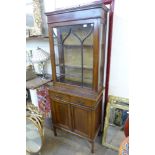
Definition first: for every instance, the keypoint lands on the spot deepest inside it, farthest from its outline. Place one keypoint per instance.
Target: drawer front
(71, 99)
(59, 97)
(81, 101)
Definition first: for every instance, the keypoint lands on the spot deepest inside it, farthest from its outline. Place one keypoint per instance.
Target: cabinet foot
(92, 146)
(55, 132)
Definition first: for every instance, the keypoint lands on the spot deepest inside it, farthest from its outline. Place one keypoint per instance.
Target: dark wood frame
(70, 103)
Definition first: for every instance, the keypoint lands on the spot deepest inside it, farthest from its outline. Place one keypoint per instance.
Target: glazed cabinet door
(73, 50)
(61, 114)
(81, 119)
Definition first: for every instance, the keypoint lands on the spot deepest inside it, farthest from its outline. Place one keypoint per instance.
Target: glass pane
(83, 32)
(73, 75)
(72, 41)
(88, 56)
(56, 50)
(87, 81)
(73, 47)
(72, 57)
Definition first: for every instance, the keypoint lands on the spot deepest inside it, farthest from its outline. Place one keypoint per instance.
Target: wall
(119, 78)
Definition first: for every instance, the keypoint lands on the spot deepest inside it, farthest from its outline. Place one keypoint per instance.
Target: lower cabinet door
(81, 120)
(62, 114)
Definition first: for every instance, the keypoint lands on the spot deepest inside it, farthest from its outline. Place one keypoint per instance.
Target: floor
(68, 144)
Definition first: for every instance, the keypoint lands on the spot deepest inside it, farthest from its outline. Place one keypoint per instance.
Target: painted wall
(119, 73)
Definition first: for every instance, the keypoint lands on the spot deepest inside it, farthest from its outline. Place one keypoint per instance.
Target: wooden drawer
(81, 101)
(59, 97)
(71, 99)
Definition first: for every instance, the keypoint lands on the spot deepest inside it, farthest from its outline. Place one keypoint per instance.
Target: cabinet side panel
(96, 119)
(98, 116)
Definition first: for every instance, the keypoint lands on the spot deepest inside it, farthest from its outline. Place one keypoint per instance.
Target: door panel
(81, 121)
(62, 114)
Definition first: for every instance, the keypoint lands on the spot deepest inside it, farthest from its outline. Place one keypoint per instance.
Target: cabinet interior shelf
(75, 67)
(71, 75)
(74, 46)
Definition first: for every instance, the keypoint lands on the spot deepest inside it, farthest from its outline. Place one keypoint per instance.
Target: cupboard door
(81, 119)
(62, 114)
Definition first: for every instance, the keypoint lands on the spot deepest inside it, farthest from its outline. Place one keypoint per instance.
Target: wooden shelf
(37, 82)
(78, 46)
(37, 37)
(74, 46)
(75, 67)
(72, 75)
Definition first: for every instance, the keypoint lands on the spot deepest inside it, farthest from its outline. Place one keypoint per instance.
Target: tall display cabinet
(77, 45)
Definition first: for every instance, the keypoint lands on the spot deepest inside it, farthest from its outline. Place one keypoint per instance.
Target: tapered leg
(55, 132)
(92, 148)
